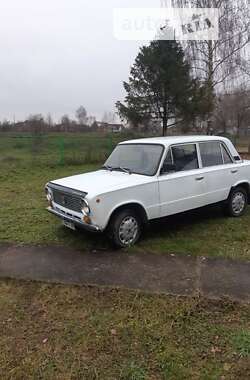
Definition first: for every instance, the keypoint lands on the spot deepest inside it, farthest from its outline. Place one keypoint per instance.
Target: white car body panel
(159, 195)
(102, 181)
(181, 192)
(114, 189)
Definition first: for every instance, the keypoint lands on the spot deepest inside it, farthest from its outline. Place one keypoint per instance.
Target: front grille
(69, 201)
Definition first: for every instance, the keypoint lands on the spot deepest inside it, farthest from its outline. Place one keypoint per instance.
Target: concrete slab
(153, 273)
(169, 274)
(225, 278)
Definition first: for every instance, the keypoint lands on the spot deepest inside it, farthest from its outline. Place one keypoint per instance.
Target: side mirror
(168, 168)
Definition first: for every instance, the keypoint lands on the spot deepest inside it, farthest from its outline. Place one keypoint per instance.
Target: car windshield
(135, 158)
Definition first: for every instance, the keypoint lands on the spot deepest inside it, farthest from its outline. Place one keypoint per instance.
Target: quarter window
(226, 158)
(168, 159)
(211, 154)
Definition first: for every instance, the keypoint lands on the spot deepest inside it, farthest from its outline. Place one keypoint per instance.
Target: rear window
(211, 154)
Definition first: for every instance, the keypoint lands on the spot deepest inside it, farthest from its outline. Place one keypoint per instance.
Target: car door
(181, 181)
(220, 170)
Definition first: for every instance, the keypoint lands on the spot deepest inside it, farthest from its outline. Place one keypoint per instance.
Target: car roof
(171, 140)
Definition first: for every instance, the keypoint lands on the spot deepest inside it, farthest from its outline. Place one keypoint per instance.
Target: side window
(168, 160)
(211, 154)
(185, 157)
(226, 158)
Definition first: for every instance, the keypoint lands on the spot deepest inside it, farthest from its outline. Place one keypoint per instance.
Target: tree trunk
(225, 129)
(165, 123)
(210, 85)
(238, 126)
(165, 128)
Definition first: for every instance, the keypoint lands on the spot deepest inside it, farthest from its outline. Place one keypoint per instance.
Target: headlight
(49, 195)
(85, 207)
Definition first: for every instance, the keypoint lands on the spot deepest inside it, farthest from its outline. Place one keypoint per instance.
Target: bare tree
(81, 115)
(109, 117)
(5, 126)
(223, 114)
(232, 113)
(217, 63)
(49, 121)
(66, 122)
(36, 124)
(241, 110)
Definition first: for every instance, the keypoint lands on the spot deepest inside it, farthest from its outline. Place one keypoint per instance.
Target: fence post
(62, 151)
(111, 143)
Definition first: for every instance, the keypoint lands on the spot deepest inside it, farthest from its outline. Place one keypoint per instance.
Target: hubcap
(238, 203)
(128, 230)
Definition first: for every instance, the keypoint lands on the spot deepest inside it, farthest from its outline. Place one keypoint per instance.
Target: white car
(152, 178)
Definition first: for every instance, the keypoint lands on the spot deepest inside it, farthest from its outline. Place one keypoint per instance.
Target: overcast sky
(59, 54)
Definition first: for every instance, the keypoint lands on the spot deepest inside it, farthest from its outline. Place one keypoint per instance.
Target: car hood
(101, 181)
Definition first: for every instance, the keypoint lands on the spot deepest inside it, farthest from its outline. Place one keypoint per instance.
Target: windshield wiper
(106, 167)
(111, 168)
(125, 170)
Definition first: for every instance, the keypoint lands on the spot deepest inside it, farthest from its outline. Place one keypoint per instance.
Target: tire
(237, 202)
(125, 228)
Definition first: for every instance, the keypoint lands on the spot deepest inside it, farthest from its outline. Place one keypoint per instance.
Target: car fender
(131, 202)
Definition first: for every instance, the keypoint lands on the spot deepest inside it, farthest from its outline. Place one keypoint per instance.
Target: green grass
(25, 168)
(205, 232)
(63, 332)
(241, 342)
(77, 149)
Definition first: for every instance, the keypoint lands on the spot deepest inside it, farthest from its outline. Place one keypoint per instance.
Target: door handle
(234, 171)
(199, 178)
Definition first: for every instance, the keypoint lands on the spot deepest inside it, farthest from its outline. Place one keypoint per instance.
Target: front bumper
(77, 222)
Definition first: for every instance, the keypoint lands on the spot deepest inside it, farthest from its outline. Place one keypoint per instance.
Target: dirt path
(170, 274)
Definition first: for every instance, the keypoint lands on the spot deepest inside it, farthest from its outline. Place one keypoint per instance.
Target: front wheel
(125, 228)
(237, 202)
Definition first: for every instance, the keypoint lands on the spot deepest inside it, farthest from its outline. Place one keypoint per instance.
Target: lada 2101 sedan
(152, 178)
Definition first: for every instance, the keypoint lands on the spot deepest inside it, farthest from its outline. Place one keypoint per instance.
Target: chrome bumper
(77, 222)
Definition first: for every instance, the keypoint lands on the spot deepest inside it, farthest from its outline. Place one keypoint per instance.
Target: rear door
(220, 170)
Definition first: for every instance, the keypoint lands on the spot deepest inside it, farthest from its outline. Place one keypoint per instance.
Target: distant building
(110, 127)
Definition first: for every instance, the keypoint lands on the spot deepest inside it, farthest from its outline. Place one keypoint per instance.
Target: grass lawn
(26, 164)
(58, 332)
(66, 332)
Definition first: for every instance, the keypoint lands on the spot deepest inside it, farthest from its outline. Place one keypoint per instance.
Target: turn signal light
(87, 219)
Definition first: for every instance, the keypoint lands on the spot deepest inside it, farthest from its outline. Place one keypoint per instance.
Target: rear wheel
(237, 202)
(125, 228)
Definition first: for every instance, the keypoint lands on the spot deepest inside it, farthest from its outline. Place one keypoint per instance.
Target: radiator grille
(69, 201)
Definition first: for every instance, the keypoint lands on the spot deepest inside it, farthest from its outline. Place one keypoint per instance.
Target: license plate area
(69, 225)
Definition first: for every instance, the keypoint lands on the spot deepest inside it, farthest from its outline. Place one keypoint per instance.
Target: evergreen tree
(160, 86)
